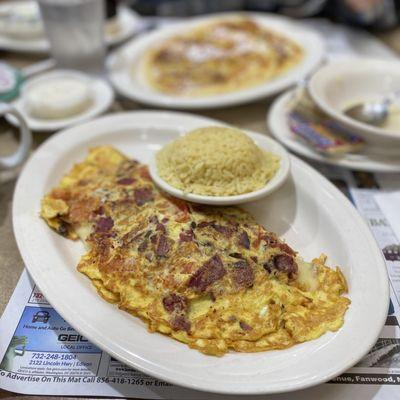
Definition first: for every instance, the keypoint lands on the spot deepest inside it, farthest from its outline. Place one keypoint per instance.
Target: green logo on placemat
(10, 82)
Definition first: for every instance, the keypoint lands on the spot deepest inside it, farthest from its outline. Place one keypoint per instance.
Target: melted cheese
(307, 275)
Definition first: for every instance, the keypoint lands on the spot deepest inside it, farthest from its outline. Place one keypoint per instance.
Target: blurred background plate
(365, 160)
(131, 83)
(128, 20)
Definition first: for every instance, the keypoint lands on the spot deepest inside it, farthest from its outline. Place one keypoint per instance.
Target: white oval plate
(365, 160)
(102, 94)
(124, 65)
(275, 183)
(308, 211)
(129, 22)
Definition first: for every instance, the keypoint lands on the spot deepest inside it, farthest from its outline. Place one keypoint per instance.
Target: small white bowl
(340, 85)
(101, 92)
(277, 180)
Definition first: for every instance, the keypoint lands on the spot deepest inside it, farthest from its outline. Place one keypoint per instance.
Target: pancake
(221, 56)
(210, 277)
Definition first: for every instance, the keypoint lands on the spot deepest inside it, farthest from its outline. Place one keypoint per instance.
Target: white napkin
(389, 203)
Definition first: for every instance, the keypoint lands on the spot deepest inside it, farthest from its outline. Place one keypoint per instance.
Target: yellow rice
(216, 161)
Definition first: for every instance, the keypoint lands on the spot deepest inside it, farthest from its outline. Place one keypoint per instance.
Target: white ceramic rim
(334, 70)
(277, 125)
(275, 183)
(119, 64)
(130, 23)
(37, 261)
(102, 96)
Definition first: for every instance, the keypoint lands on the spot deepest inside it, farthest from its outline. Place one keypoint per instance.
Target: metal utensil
(373, 112)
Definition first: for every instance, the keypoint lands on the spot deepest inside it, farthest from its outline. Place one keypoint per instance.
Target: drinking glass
(75, 30)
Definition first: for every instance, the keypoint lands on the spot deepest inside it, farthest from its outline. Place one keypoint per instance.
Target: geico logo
(71, 338)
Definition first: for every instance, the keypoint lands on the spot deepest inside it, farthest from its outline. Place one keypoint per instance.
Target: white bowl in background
(102, 96)
(339, 85)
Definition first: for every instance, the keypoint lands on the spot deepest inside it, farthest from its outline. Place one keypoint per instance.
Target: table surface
(251, 117)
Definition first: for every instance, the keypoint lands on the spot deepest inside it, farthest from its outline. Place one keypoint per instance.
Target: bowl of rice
(220, 165)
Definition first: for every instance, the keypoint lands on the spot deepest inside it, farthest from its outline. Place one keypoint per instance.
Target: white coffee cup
(25, 140)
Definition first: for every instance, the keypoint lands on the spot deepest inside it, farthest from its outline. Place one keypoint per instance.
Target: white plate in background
(128, 19)
(125, 75)
(342, 84)
(365, 160)
(308, 212)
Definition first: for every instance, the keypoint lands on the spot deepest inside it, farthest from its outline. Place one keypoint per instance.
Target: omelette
(225, 55)
(210, 277)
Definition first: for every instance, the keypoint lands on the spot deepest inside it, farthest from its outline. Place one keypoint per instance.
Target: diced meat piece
(181, 205)
(224, 230)
(203, 224)
(186, 236)
(245, 326)
(162, 246)
(268, 266)
(180, 323)
(207, 274)
(104, 224)
(99, 211)
(144, 172)
(153, 239)
(283, 263)
(160, 228)
(181, 210)
(234, 225)
(174, 303)
(143, 195)
(244, 240)
(286, 248)
(243, 274)
(199, 207)
(125, 181)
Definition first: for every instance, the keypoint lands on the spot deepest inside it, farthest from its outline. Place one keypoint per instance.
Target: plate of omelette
(262, 298)
(215, 61)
